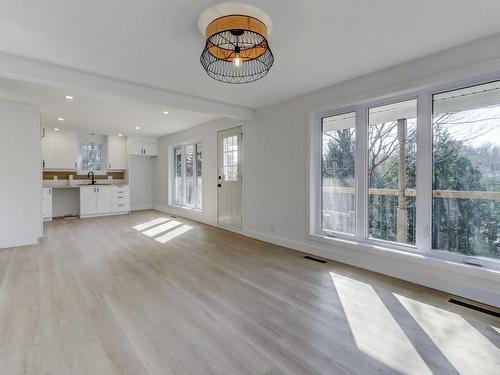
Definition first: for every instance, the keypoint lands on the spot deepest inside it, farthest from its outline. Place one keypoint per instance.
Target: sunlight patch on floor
(174, 233)
(151, 223)
(455, 337)
(496, 329)
(373, 327)
(152, 232)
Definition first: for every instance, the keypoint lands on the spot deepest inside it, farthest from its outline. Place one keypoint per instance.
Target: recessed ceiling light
(165, 112)
(69, 97)
(60, 119)
(137, 128)
(120, 135)
(56, 129)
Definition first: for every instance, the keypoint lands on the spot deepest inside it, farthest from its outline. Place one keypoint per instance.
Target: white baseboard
(446, 276)
(141, 207)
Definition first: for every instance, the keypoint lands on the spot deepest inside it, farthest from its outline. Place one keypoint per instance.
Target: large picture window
(187, 187)
(392, 131)
(466, 171)
(377, 169)
(338, 213)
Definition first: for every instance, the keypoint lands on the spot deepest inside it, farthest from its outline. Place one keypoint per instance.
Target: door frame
(242, 172)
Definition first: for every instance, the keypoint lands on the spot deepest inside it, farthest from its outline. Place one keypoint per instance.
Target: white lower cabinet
(120, 200)
(102, 200)
(47, 204)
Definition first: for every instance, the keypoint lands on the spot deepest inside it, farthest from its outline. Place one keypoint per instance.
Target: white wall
(275, 173)
(20, 168)
(207, 135)
(141, 178)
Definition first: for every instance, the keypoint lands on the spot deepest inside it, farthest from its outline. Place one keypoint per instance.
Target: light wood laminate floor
(149, 294)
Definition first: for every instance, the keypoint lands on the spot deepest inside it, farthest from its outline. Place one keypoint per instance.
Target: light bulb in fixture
(60, 119)
(165, 112)
(69, 97)
(120, 135)
(237, 58)
(137, 128)
(56, 129)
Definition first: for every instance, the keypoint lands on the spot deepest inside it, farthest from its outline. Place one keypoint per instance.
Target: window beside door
(188, 176)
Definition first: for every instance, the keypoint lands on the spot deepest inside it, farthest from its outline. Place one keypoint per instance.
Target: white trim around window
(424, 172)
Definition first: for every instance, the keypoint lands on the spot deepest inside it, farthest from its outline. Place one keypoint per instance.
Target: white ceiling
(99, 114)
(316, 43)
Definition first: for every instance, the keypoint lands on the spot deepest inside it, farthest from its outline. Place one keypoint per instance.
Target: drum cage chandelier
(236, 49)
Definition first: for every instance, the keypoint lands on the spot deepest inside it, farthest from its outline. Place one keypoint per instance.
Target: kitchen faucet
(93, 177)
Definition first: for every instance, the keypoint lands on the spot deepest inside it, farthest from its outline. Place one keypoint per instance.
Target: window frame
(423, 238)
(173, 201)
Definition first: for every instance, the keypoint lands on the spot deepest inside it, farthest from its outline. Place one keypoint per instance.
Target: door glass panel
(466, 171)
(392, 150)
(338, 195)
(230, 158)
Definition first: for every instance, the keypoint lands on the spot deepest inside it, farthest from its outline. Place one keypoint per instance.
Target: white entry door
(229, 177)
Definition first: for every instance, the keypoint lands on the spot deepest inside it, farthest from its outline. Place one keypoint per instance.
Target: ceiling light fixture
(236, 48)
(165, 112)
(137, 128)
(69, 97)
(120, 135)
(60, 119)
(56, 129)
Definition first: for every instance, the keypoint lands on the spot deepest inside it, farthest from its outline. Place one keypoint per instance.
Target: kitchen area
(88, 175)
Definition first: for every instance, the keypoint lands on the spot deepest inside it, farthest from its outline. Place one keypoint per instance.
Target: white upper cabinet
(60, 151)
(117, 152)
(143, 146)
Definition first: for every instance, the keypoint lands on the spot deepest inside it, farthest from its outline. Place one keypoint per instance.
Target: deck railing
(383, 210)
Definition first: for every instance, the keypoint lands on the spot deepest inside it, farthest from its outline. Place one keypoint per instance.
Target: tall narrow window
(338, 194)
(199, 175)
(178, 175)
(466, 171)
(187, 186)
(189, 176)
(392, 172)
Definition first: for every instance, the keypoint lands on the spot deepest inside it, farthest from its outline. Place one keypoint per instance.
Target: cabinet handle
(76, 165)
(43, 163)
(109, 165)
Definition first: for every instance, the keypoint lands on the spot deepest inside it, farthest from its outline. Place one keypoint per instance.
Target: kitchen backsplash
(64, 175)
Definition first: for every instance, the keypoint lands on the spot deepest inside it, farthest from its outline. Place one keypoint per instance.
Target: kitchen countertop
(65, 185)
